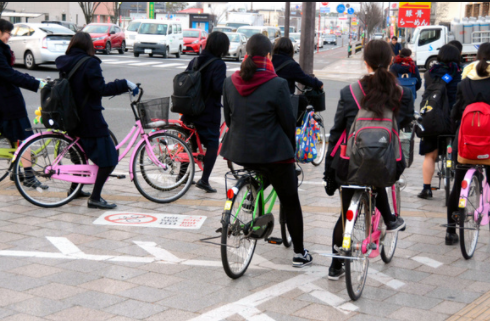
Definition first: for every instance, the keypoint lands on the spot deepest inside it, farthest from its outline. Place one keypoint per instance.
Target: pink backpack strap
(337, 146)
(357, 92)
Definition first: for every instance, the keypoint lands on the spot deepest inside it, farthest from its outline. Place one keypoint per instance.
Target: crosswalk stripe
(167, 65)
(234, 69)
(109, 60)
(145, 63)
(183, 67)
(121, 62)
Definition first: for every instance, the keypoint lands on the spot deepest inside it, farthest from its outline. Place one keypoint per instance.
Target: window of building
(46, 17)
(63, 17)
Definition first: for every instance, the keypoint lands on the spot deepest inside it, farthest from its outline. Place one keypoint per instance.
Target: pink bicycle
(62, 166)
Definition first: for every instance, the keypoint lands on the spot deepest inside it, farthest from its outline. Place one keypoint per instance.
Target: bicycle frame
(484, 206)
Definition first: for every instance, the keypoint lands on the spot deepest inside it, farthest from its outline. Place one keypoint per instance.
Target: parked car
(106, 37)
(238, 44)
(377, 36)
(36, 43)
(131, 32)
(331, 39)
(223, 29)
(249, 31)
(161, 37)
(194, 40)
(295, 44)
(274, 33)
(70, 25)
(296, 37)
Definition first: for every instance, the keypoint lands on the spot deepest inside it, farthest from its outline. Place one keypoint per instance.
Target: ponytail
(482, 57)
(248, 69)
(257, 45)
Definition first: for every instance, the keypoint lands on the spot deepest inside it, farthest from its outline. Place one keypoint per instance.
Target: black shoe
(33, 182)
(452, 238)
(21, 177)
(335, 274)
(81, 194)
(302, 260)
(102, 204)
(396, 225)
(206, 187)
(426, 194)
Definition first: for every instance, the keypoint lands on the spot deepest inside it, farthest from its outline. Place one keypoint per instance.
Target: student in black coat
(89, 86)
(403, 64)
(209, 122)
(14, 123)
(258, 111)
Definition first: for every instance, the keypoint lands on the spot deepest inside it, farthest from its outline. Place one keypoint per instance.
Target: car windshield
(223, 29)
(248, 32)
(133, 26)
(191, 34)
(233, 38)
(295, 37)
(415, 36)
(236, 25)
(96, 29)
(152, 29)
(56, 30)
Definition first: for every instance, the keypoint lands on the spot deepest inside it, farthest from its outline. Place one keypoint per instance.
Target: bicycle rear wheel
(43, 152)
(114, 140)
(388, 242)
(6, 155)
(286, 238)
(356, 270)
(163, 182)
(321, 143)
(469, 229)
(236, 249)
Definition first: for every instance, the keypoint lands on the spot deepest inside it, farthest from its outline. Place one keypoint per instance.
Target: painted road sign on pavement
(172, 221)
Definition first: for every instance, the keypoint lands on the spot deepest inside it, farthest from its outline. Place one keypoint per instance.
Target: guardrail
(357, 47)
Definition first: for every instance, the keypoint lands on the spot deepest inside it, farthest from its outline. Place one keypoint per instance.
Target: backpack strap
(284, 65)
(357, 92)
(79, 63)
(194, 64)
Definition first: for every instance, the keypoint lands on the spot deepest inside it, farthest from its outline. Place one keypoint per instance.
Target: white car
(160, 37)
(39, 43)
(131, 32)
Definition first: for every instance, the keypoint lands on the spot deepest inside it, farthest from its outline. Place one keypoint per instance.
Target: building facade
(63, 11)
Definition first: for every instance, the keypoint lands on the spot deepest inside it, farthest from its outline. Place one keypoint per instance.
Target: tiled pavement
(106, 274)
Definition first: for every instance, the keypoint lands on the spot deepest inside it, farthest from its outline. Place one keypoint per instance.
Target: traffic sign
(324, 10)
(340, 8)
(414, 14)
(325, 4)
(350, 11)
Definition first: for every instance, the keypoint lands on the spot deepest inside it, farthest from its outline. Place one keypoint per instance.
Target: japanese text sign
(414, 14)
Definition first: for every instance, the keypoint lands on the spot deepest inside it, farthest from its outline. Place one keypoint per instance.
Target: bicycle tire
(362, 225)
(323, 143)
(233, 231)
(388, 242)
(172, 160)
(115, 141)
(286, 238)
(469, 229)
(5, 163)
(57, 188)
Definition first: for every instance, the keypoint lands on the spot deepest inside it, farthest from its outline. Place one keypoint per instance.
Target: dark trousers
(382, 204)
(285, 182)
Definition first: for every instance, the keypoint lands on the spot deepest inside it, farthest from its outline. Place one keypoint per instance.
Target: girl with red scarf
(403, 64)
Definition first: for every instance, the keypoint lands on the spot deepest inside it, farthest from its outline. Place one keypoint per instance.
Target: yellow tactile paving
(478, 310)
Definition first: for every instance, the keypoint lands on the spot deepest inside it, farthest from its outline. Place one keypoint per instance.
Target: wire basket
(154, 113)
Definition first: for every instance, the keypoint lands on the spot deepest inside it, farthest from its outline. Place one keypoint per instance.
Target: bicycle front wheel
(7, 150)
(469, 228)
(356, 269)
(236, 248)
(170, 178)
(321, 143)
(42, 152)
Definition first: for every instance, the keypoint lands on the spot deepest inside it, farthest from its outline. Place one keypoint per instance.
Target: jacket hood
(470, 72)
(67, 62)
(441, 69)
(246, 88)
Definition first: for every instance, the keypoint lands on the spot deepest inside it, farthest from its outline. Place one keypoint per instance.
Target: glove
(330, 183)
(133, 87)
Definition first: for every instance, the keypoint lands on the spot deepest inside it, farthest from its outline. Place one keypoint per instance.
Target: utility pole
(287, 16)
(307, 37)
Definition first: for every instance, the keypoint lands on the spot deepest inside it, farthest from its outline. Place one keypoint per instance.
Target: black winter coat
(398, 70)
(293, 73)
(12, 104)
(261, 126)
(88, 80)
(346, 113)
(438, 71)
(212, 77)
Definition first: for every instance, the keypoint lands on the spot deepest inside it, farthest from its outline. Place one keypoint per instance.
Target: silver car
(39, 43)
(238, 43)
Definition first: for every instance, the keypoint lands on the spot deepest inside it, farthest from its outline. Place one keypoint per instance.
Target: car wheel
(123, 48)
(239, 57)
(200, 50)
(430, 63)
(29, 61)
(136, 54)
(108, 48)
(167, 53)
(150, 55)
(177, 55)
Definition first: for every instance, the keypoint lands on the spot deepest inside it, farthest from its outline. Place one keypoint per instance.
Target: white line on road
(64, 245)
(158, 252)
(183, 67)
(428, 261)
(168, 65)
(328, 298)
(385, 279)
(145, 63)
(234, 69)
(120, 62)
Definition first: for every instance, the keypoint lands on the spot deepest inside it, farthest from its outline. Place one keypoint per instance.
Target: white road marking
(158, 252)
(108, 60)
(385, 279)
(167, 65)
(234, 69)
(64, 245)
(328, 298)
(120, 62)
(145, 63)
(428, 261)
(183, 67)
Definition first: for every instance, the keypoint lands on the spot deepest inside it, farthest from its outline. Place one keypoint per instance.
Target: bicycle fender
(465, 191)
(133, 155)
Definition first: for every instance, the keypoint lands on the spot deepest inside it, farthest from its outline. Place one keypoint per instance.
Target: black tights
(208, 162)
(382, 204)
(102, 176)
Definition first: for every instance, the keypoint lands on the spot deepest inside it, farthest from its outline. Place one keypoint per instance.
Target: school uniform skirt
(101, 151)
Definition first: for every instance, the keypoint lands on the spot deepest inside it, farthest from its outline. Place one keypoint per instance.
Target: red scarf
(407, 61)
(265, 72)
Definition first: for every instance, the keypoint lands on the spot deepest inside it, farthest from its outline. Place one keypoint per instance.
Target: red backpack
(474, 135)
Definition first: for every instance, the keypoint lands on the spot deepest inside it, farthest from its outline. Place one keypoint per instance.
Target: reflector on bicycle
(349, 215)
(230, 194)
(346, 243)
(462, 203)
(464, 184)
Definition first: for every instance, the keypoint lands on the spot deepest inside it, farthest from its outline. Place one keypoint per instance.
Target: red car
(194, 40)
(106, 37)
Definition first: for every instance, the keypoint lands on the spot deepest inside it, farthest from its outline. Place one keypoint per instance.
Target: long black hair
(483, 56)
(284, 45)
(257, 45)
(381, 87)
(83, 41)
(448, 54)
(6, 26)
(218, 44)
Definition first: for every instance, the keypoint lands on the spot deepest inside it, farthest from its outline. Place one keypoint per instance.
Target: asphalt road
(156, 75)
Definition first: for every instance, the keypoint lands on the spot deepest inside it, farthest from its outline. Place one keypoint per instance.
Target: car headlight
(98, 38)
(162, 42)
(195, 41)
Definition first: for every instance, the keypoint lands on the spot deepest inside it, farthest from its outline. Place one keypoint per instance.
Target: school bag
(371, 154)
(406, 80)
(187, 98)
(434, 110)
(59, 109)
(306, 139)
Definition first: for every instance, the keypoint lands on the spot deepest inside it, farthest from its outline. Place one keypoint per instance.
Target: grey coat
(261, 125)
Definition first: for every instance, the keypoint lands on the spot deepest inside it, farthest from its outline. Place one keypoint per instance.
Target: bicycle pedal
(220, 230)
(434, 188)
(118, 176)
(274, 240)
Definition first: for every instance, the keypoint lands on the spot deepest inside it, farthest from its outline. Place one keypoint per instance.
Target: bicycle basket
(316, 98)
(154, 113)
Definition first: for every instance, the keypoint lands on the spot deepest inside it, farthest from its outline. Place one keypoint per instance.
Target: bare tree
(219, 11)
(173, 7)
(88, 9)
(371, 16)
(114, 10)
(3, 5)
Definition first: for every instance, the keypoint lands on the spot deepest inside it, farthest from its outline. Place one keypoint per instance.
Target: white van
(160, 37)
(131, 32)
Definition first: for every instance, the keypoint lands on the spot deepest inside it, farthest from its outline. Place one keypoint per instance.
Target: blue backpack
(406, 80)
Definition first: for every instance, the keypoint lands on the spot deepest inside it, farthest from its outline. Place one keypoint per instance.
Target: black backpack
(434, 110)
(59, 108)
(187, 98)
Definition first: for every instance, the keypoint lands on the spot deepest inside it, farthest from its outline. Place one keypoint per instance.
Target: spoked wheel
(163, 182)
(356, 270)
(42, 189)
(237, 249)
(114, 140)
(7, 150)
(388, 242)
(321, 142)
(286, 238)
(469, 228)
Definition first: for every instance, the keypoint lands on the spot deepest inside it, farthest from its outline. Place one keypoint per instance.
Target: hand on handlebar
(133, 87)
